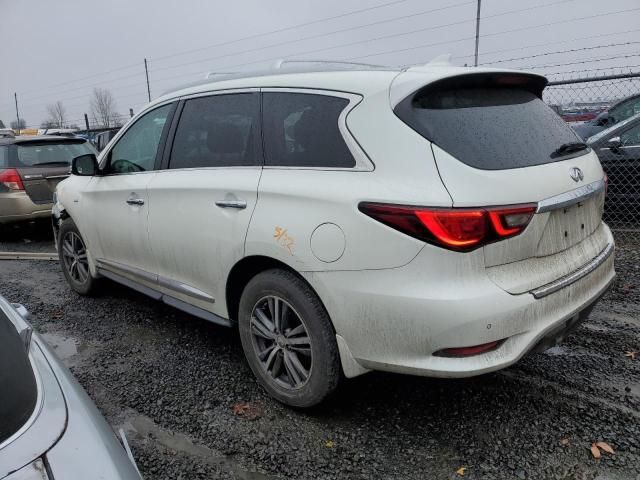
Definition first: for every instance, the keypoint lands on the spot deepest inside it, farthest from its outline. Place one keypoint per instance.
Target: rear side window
(218, 131)
(301, 130)
(489, 128)
(19, 390)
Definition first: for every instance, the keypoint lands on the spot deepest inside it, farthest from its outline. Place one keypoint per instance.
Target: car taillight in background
(460, 229)
(10, 179)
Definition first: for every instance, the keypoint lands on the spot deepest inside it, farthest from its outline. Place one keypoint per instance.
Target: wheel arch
(247, 268)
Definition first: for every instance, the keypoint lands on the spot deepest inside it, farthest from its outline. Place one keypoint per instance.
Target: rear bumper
(17, 207)
(396, 319)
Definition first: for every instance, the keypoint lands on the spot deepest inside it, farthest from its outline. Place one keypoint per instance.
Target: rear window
(19, 391)
(489, 128)
(301, 130)
(47, 154)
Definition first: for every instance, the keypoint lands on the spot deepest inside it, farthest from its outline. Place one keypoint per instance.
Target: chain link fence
(593, 105)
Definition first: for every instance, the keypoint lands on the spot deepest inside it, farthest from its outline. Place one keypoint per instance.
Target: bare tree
(103, 108)
(1, 124)
(19, 124)
(57, 114)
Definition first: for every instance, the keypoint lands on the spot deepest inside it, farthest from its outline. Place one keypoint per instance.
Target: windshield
(489, 128)
(604, 133)
(45, 154)
(19, 391)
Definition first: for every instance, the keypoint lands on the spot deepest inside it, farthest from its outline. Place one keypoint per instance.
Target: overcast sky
(61, 50)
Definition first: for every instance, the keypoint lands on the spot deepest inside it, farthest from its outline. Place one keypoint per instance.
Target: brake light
(10, 178)
(460, 229)
(606, 184)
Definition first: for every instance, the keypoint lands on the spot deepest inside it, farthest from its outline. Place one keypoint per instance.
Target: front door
(202, 202)
(119, 199)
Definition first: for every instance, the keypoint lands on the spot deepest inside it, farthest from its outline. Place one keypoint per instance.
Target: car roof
(22, 139)
(345, 77)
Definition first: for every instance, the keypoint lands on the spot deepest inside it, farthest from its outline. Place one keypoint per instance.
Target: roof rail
(209, 75)
(283, 61)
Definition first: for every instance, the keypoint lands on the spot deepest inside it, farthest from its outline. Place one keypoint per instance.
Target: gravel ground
(172, 382)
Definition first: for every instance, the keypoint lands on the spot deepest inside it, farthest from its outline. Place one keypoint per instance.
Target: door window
(631, 137)
(624, 111)
(301, 130)
(136, 150)
(218, 131)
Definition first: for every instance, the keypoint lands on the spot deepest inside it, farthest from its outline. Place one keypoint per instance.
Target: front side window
(136, 150)
(301, 130)
(218, 131)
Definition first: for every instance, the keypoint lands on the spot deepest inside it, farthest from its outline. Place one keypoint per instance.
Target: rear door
(44, 164)
(202, 201)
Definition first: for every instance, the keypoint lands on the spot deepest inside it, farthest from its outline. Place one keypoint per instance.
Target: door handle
(135, 201)
(240, 204)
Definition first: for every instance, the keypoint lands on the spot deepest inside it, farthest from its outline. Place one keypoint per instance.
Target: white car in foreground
(436, 220)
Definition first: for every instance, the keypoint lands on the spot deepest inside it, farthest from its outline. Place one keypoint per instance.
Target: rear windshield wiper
(570, 147)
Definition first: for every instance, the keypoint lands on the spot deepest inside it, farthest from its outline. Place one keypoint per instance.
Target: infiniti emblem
(576, 174)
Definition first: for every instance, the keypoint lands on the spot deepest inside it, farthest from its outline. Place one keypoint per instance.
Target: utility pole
(146, 71)
(86, 122)
(15, 96)
(477, 34)
(131, 112)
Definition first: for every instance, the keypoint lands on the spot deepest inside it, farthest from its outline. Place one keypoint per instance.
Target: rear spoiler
(423, 80)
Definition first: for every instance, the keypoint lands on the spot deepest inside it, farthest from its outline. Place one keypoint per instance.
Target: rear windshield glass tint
(489, 128)
(18, 384)
(48, 154)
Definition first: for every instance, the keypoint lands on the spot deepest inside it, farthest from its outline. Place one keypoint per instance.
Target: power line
(575, 39)
(623, 67)
(390, 36)
(581, 49)
(549, 24)
(587, 60)
(292, 27)
(333, 32)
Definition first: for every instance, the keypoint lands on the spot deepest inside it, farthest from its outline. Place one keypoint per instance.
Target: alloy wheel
(74, 256)
(281, 342)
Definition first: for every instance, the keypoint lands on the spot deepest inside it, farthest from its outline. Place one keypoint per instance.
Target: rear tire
(72, 253)
(288, 339)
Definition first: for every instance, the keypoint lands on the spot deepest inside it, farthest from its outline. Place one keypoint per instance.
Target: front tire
(288, 339)
(72, 252)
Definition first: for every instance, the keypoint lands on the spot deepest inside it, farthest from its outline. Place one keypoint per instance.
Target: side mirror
(614, 143)
(85, 165)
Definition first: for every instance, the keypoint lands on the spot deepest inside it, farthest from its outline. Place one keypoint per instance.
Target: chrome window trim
(572, 197)
(574, 276)
(363, 162)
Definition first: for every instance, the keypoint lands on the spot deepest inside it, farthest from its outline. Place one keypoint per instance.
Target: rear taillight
(459, 229)
(606, 184)
(10, 178)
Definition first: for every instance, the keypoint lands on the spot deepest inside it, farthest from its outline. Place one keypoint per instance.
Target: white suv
(436, 220)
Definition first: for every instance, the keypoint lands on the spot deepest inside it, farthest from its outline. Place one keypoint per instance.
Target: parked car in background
(101, 139)
(618, 148)
(30, 169)
(49, 428)
(617, 113)
(7, 133)
(350, 217)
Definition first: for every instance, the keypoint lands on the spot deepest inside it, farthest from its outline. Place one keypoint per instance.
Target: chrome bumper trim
(570, 198)
(574, 276)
